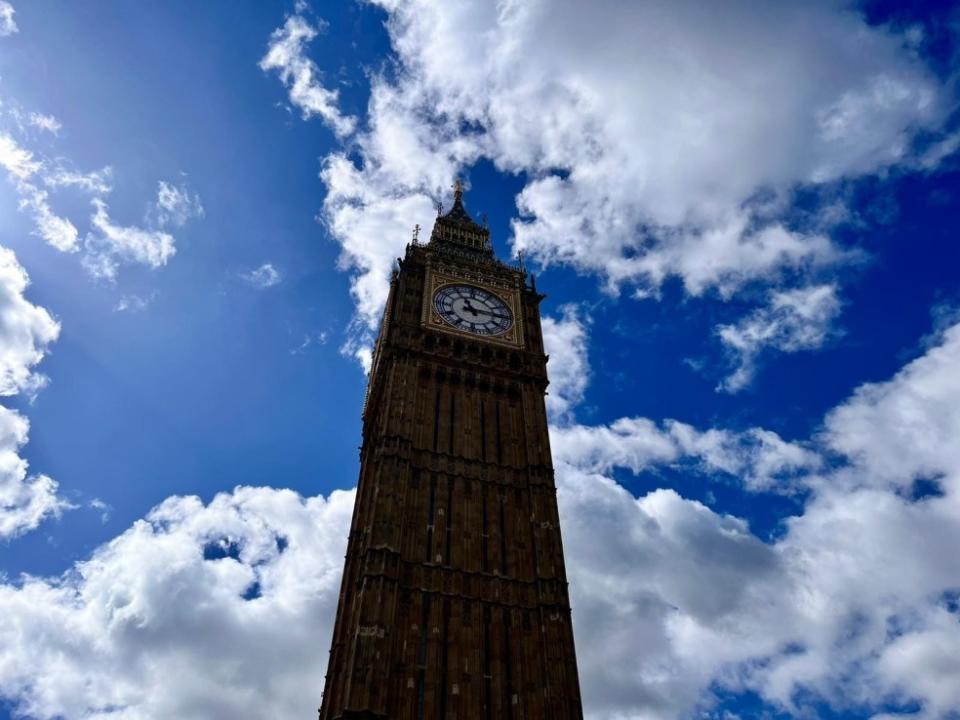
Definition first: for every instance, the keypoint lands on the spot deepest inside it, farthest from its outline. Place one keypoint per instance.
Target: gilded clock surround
(437, 279)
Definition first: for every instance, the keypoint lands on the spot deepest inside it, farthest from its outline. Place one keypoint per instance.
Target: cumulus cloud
(760, 459)
(640, 164)
(25, 501)
(109, 244)
(26, 330)
(286, 54)
(792, 320)
(565, 341)
(7, 24)
(855, 605)
(904, 429)
(263, 277)
(197, 611)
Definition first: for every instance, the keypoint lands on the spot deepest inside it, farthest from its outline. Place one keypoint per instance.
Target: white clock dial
(472, 309)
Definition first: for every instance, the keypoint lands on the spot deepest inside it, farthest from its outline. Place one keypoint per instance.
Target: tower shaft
(454, 597)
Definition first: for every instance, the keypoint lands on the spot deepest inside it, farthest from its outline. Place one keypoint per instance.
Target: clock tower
(454, 602)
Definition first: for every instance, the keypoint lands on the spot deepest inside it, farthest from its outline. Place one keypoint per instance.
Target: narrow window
(442, 709)
(449, 518)
(499, 446)
(422, 660)
(484, 560)
(503, 537)
(436, 420)
(487, 677)
(508, 681)
(483, 431)
(433, 494)
(453, 404)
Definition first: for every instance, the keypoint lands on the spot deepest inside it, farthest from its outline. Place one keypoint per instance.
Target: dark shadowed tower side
(454, 598)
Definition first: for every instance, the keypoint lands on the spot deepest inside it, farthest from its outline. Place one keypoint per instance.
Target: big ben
(454, 600)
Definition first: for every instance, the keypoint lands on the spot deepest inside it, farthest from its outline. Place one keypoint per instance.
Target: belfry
(454, 597)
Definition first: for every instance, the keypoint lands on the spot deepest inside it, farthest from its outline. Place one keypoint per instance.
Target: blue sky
(743, 216)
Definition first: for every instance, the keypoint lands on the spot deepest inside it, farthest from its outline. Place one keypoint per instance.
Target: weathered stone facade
(454, 598)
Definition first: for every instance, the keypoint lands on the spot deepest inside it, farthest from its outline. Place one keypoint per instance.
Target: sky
(743, 215)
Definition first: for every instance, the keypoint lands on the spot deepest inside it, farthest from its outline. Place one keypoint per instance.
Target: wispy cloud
(793, 320)
(286, 54)
(263, 277)
(134, 303)
(109, 244)
(47, 123)
(310, 340)
(175, 205)
(95, 182)
(17, 160)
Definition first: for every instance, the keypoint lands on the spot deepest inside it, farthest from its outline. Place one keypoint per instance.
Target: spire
(457, 228)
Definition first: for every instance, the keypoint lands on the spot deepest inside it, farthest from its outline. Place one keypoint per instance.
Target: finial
(439, 208)
(457, 189)
(483, 218)
(520, 258)
(416, 232)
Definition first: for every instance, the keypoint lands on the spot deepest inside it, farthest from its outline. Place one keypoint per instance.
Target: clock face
(474, 310)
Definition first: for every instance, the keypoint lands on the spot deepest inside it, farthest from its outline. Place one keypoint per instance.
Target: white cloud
(134, 303)
(793, 320)
(758, 458)
(25, 501)
(175, 205)
(198, 611)
(47, 123)
(372, 221)
(906, 428)
(641, 164)
(300, 74)
(7, 24)
(851, 606)
(22, 166)
(565, 341)
(96, 182)
(263, 277)
(109, 244)
(55, 230)
(26, 330)
(309, 340)
(16, 160)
